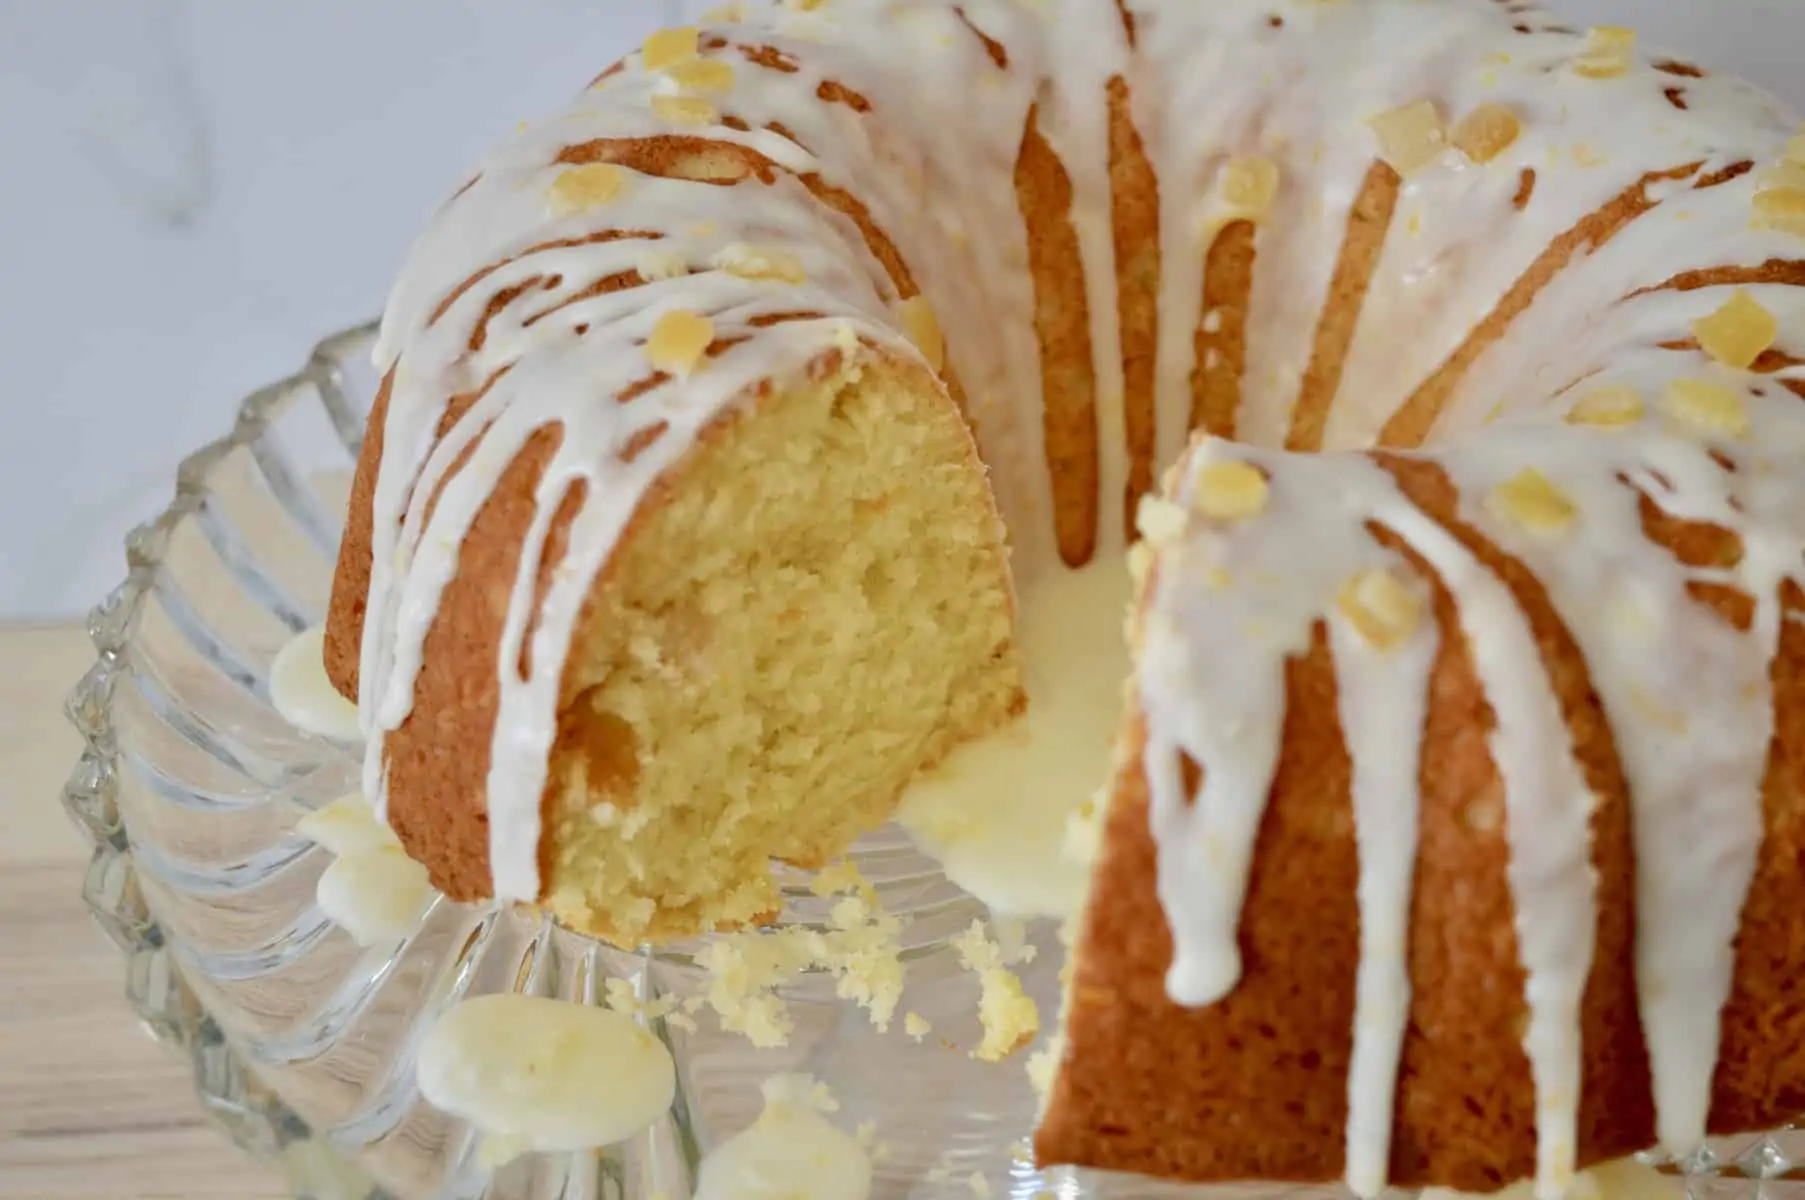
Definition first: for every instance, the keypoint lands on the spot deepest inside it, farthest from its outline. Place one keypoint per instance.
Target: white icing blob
(996, 812)
(791, 1152)
(376, 896)
(346, 826)
(537, 1074)
(300, 691)
(372, 890)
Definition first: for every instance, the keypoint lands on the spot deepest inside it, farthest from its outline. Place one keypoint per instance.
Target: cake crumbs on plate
(1043, 1064)
(979, 1185)
(916, 1025)
(1009, 1016)
(842, 877)
(619, 995)
(861, 949)
(744, 971)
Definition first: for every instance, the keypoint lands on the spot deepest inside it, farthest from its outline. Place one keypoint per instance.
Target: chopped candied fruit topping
(668, 47)
(1411, 137)
(1611, 407)
(1230, 491)
(1383, 608)
(658, 263)
(1781, 208)
(1609, 53)
(1487, 132)
(760, 262)
(1738, 333)
(1532, 500)
(587, 186)
(922, 327)
(679, 340)
(702, 75)
(685, 110)
(1250, 184)
(1708, 406)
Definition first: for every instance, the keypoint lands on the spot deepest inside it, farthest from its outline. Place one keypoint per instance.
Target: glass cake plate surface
(303, 1044)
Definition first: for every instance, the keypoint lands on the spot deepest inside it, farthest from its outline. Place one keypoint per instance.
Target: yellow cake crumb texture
(1738, 333)
(1008, 1015)
(861, 948)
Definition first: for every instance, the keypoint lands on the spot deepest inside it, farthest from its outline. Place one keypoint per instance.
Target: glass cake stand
(303, 1043)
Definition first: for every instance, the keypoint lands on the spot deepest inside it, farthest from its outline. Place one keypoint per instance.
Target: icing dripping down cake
(1455, 827)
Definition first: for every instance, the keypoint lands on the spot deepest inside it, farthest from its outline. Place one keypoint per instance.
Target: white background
(193, 191)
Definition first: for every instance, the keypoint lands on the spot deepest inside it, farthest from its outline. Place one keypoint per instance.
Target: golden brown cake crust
(1255, 1086)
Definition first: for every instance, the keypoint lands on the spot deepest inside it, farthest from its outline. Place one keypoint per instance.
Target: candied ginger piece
(1249, 186)
(1708, 406)
(685, 110)
(588, 186)
(1383, 608)
(1609, 53)
(1487, 132)
(666, 48)
(1611, 407)
(1533, 501)
(1738, 333)
(1230, 491)
(679, 340)
(1411, 137)
(702, 75)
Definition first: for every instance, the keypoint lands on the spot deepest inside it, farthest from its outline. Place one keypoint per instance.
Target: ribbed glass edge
(229, 1091)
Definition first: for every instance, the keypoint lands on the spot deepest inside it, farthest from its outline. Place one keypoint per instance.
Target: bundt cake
(1457, 821)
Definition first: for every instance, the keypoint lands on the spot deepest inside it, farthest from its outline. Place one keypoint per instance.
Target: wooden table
(90, 1105)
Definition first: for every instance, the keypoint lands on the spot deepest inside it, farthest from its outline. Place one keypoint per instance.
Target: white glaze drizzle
(1209, 81)
(1383, 702)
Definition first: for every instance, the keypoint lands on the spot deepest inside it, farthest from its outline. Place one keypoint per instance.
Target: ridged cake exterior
(1457, 809)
